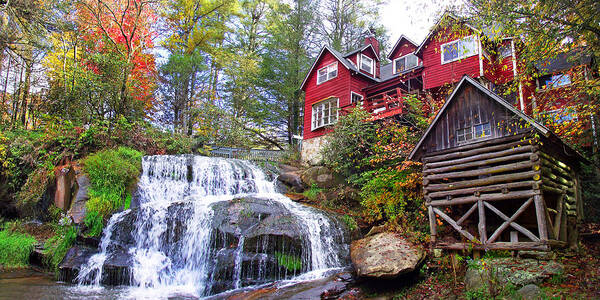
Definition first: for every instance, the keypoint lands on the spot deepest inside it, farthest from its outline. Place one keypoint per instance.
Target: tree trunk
(24, 105)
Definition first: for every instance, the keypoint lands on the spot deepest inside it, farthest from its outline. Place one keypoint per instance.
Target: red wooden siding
(435, 74)
(405, 47)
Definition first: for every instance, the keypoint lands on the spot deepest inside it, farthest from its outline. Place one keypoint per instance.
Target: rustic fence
(248, 154)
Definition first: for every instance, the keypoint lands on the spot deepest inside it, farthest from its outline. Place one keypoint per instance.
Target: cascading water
(205, 225)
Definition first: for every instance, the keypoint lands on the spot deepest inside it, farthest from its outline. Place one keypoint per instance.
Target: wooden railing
(382, 105)
(248, 154)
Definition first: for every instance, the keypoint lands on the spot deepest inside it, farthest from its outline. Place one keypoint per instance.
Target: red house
(451, 50)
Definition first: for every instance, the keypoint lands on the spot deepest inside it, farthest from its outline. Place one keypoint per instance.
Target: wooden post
(432, 224)
(482, 226)
(541, 217)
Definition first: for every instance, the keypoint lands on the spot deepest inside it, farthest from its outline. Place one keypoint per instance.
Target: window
(406, 62)
(505, 51)
(459, 49)
(476, 132)
(324, 113)
(555, 81)
(366, 64)
(559, 116)
(355, 98)
(327, 73)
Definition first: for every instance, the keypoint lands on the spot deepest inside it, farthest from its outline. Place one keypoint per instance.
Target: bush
(15, 248)
(112, 174)
(57, 246)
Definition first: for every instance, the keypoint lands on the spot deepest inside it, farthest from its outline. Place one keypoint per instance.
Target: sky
(413, 18)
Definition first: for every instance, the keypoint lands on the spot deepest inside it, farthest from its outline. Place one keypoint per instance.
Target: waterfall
(204, 225)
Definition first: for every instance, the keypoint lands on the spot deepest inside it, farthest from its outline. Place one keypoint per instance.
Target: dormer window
(405, 62)
(366, 64)
(459, 49)
(327, 73)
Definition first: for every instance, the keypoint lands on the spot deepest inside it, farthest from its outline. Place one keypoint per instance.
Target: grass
(313, 192)
(350, 222)
(290, 262)
(112, 174)
(15, 249)
(57, 246)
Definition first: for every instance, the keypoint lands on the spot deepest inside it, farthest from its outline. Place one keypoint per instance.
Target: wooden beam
(556, 169)
(453, 224)
(483, 189)
(555, 161)
(485, 197)
(480, 163)
(481, 226)
(541, 217)
(461, 154)
(467, 214)
(494, 246)
(480, 144)
(478, 157)
(511, 221)
(483, 181)
(546, 172)
(432, 224)
(558, 217)
(485, 171)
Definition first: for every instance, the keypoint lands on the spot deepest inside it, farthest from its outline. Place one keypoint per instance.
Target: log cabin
(494, 178)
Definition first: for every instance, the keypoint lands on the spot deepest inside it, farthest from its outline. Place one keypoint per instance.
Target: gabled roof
(361, 50)
(340, 57)
(564, 61)
(435, 28)
(402, 37)
(468, 80)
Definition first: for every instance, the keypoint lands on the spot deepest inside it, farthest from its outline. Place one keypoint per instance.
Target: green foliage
(15, 248)
(112, 173)
(346, 149)
(350, 222)
(290, 262)
(312, 192)
(558, 278)
(57, 246)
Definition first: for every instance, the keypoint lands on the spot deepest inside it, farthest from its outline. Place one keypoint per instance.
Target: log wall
(504, 193)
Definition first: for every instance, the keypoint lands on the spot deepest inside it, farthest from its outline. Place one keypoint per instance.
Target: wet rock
(65, 179)
(293, 181)
(69, 267)
(385, 255)
(116, 269)
(530, 292)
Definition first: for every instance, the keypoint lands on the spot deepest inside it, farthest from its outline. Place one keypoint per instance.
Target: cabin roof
(466, 80)
(342, 59)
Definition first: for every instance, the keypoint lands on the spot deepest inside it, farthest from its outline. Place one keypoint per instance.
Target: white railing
(248, 154)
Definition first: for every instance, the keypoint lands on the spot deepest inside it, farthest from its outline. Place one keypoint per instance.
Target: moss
(290, 262)
(15, 248)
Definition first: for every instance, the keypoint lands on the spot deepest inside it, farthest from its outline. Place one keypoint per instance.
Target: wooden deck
(383, 105)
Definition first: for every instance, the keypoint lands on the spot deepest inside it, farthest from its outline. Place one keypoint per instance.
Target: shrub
(112, 173)
(15, 248)
(312, 192)
(57, 246)
(350, 222)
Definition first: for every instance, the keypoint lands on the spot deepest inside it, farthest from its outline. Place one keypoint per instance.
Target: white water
(167, 262)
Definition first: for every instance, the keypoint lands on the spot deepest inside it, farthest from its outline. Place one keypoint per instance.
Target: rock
(116, 269)
(323, 177)
(77, 211)
(385, 255)
(530, 292)
(519, 272)
(375, 230)
(65, 179)
(287, 168)
(293, 181)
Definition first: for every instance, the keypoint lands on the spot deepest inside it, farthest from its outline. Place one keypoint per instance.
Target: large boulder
(322, 176)
(65, 180)
(77, 211)
(385, 255)
(292, 180)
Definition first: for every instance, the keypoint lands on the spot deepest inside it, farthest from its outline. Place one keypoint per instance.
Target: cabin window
(475, 132)
(366, 64)
(355, 98)
(505, 51)
(406, 62)
(555, 81)
(327, 73)
(459, 49)
(324, 113)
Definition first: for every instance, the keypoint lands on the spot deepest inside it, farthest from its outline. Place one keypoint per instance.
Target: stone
(310, 154)
(322, 176)
(293, 181)
(385, 255)
(77, 211)
(65, 178)
(530, 292)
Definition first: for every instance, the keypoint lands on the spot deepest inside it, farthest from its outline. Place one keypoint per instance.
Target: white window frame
(458, 49)
(556, 79)
(352, 93)
(404, 57)
(363, 57)
(473, 133)
(327, 68)
(320, 107)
